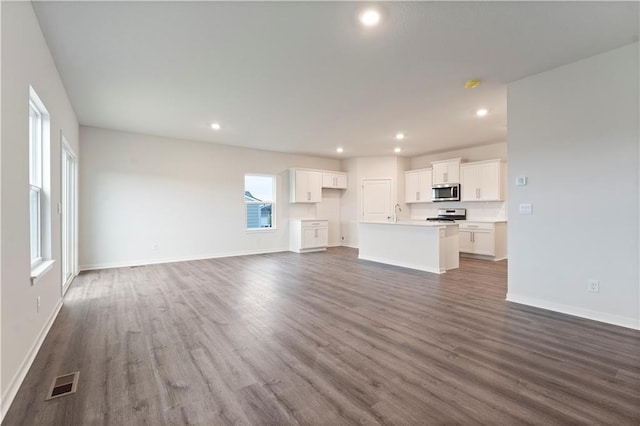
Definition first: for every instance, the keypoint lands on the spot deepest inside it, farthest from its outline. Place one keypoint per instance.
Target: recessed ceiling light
(339, 150)
(482, 112)
(470, 84)
(370, 17)
(399, 136)
(215, 126)
(397, 150)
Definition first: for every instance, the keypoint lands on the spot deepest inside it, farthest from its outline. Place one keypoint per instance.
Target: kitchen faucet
(396, 210)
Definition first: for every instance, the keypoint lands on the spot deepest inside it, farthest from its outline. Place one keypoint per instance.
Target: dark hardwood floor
(324, 339)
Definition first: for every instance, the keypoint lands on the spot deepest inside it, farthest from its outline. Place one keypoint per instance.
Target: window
(260, 201)
(35, 182)
(38, 150)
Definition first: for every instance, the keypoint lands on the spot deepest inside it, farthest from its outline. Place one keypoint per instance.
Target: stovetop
(449, 215)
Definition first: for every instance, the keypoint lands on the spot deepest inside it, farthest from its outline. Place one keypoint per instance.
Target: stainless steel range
(449, 215)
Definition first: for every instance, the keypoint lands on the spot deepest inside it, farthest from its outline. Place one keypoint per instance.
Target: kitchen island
(426, 246)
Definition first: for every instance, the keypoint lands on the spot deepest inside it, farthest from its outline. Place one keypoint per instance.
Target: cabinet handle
(473, 236)
(308, 196)
(315, 233)
(445, 177)
(417, 196)
(477, 192)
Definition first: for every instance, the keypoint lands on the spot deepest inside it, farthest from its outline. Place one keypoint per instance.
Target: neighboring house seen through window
(260, 201)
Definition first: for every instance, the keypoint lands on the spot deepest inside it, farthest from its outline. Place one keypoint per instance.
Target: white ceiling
(306, 77)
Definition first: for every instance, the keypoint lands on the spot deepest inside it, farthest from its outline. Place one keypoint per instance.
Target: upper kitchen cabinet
(417, 186)
(482, 181)
(446, 171)
(305, 186)
(334, 180)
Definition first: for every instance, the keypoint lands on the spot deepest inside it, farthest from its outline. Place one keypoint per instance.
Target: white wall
(186, 197)
(476, 153)
(26, 60)
(573, 132)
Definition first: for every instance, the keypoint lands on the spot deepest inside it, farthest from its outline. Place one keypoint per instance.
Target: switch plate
(593, 286)
(521, 181)
(526, 208)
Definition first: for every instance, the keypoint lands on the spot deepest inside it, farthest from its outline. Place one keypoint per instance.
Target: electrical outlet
(38, 304)
(593, 286)
(155, 247)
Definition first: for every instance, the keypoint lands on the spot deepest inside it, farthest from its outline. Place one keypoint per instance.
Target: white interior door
(376, 199)
(69, 215)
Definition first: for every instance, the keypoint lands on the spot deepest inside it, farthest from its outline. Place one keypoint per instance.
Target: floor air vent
(63, 385)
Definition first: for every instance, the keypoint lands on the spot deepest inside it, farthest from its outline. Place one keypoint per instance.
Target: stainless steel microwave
(445, 192)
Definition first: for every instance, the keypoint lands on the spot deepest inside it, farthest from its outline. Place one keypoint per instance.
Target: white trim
(403, 264)
(39, 271)
(628, 322)
(349, 245)
(258, 230)
(124, 264)
(18, 378)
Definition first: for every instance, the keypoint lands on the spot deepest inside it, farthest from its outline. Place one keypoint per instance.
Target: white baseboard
(481, 257)
(402, 264)
(18, 378)
(140, 262)
(627, 322)
(349, 245)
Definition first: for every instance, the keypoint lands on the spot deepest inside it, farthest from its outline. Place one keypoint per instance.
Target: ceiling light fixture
(215, 126)
(370, 17)
(399, 136)
(482, 112)
(397, 150)
(470, 84)
(339, 150)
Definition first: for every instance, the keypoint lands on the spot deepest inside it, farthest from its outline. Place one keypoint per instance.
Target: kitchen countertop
(411, 223)
(482, 221)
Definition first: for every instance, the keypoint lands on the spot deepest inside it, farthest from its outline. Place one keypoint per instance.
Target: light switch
(521, 181)
(526, 209)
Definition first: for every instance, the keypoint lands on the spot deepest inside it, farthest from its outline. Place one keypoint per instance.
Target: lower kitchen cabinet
(483, 239)
(308, 235)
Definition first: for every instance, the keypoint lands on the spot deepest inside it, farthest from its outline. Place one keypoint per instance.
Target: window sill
(38, 271)
(258, 230)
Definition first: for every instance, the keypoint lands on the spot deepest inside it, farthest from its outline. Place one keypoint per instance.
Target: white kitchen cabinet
(334, 180)
(417, 186)
(305, 186)
(482, 181)
(446, 171)
(308, 235)
(485, 239)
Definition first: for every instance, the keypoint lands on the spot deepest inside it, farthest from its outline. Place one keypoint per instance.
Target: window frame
(36, 166)
(272, 202)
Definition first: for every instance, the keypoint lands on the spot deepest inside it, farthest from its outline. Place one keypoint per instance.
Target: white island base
(431, 247)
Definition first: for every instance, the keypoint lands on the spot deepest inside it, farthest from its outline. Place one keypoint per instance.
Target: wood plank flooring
(323, 339)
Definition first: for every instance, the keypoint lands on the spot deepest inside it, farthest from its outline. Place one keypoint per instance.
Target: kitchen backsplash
(494, 210)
